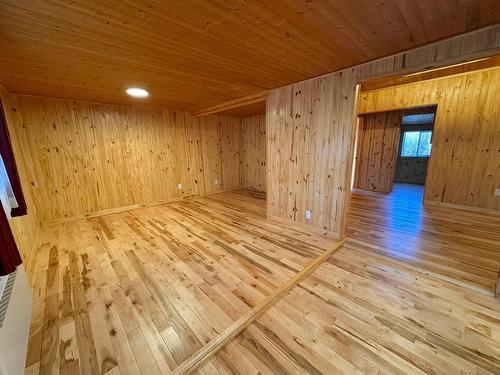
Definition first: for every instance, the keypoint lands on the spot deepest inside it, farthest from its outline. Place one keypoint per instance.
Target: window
(12, 199)
(7, 197)
(10, 186)
(416, 144)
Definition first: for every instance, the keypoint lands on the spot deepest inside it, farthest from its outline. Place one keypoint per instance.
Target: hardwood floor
(362, 313)
(456, 245)
(141, 291)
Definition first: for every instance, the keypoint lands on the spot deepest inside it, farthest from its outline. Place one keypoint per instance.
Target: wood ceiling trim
(232, 104)
(248, 110)
(485, 63)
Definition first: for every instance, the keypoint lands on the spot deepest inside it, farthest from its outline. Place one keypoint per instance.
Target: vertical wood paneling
(309, 153)
(211, 145)
(254, 152)
(221, 153)
(231, 157)
(92, 157)
(308, 149)
(464, 167)
(377, 151)
(411, 170)
(24, 228)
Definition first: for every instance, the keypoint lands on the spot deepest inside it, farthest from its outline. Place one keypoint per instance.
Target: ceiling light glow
(137, 92)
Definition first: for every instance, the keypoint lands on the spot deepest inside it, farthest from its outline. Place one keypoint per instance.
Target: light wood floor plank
(144, 290)
(141, 291)
(383, 304)
(459, 246)
(375, 317)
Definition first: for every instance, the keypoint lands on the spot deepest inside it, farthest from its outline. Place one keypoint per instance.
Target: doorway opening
(424, 165)
(415, 146)
(393, 148)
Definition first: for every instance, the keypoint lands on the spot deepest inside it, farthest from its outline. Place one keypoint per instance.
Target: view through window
(417, 136)
(6, 193)
(416, 144)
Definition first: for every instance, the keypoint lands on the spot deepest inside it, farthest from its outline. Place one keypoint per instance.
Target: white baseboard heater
(15, 319)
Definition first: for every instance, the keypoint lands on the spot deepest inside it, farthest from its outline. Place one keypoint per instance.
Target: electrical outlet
(179, 186)
(497, 192)
(308, 215)
(216, 182)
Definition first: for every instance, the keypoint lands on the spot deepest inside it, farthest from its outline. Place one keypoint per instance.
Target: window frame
(11, 167)
(418, 143)
(412, 127)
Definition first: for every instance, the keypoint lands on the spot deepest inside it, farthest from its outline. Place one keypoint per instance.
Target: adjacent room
(279, 187)
(422, 173)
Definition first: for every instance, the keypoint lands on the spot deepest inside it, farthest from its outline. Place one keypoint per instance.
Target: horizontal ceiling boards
(196, 54)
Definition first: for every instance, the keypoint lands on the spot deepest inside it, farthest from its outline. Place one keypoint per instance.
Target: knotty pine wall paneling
(411, 170)
(464, 167)
(89, 158)
(307, 159)
(231, 156)
(377, 151)
(221, 153)
(26, 228)
(211, 146)
(254, 152)
(92, 157)
(310, 128)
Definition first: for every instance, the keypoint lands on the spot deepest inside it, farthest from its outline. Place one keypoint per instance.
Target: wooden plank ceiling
(196, 54)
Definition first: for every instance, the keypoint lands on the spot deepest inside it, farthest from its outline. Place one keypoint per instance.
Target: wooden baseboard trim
(304, 227)
(242, 323)
(225, 190)
(481, 210)
(110, 211)
(370, 192)
(116, 210)
(252, 189)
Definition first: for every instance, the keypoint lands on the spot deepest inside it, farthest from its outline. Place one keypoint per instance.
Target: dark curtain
(9, 255)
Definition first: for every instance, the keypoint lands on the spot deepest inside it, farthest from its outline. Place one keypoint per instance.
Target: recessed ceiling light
(137, 92)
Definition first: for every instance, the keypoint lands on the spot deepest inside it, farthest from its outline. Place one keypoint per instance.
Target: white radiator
(15, 319)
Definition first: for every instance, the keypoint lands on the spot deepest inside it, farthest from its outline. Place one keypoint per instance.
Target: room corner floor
(460, 246)
(140, 291)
